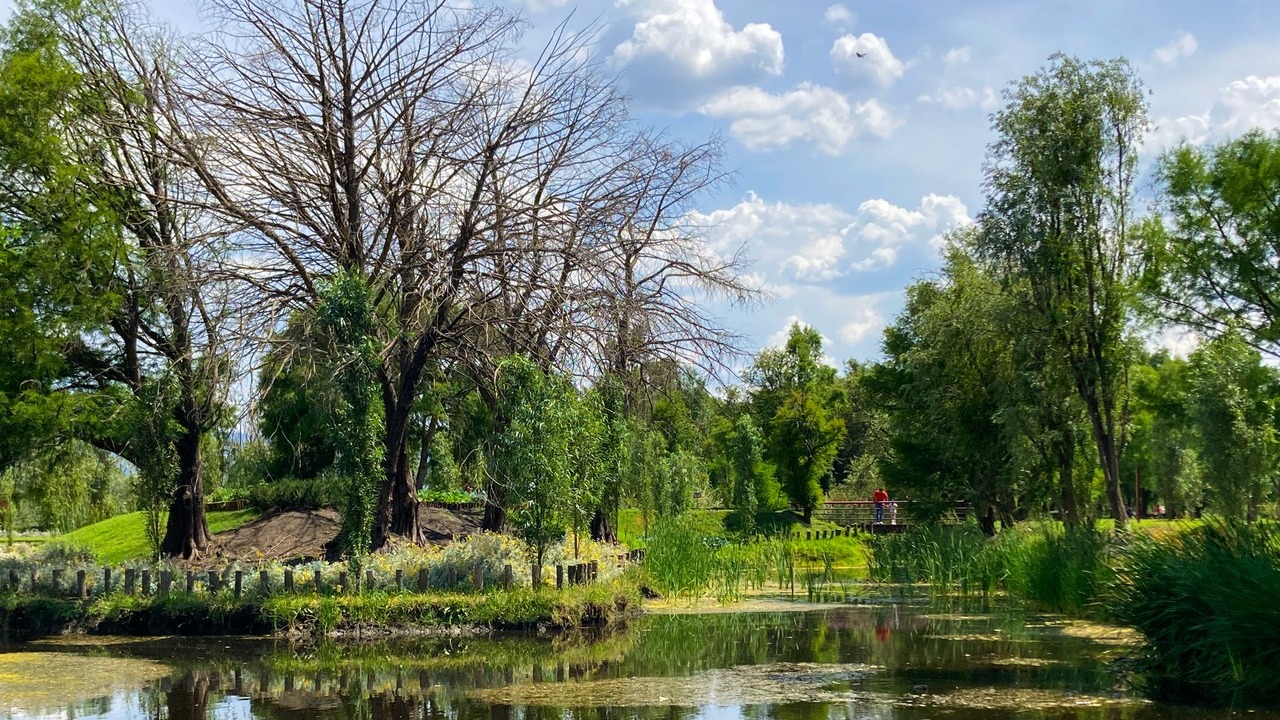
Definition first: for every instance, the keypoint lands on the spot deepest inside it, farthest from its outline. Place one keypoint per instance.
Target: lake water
(899, 660)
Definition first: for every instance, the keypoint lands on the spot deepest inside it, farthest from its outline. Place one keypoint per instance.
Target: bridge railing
(893, 512)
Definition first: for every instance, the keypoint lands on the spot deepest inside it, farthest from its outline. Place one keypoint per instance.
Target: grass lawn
(29, 539)
(124, 537)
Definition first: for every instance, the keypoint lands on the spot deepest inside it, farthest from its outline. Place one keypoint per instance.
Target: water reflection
(886, 661)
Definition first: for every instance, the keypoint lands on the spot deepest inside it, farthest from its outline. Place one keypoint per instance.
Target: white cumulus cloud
(1253, 102)
(876, 61)
(882, 228)
(838, 15)
(1182, 46)
(804, 242)
(686, 48)
(811, 114)
(814, 243)
(865, 322)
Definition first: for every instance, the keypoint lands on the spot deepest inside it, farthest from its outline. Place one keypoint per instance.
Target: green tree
(1233, 405)
(1214, 265)
(804, 442)
(948, 364)
(531, 452)
(92, 174)
(794, 398)
(1060, 184)
(1162, 445)
(751, 483)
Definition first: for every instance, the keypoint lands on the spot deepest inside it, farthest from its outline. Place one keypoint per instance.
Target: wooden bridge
(893, 517)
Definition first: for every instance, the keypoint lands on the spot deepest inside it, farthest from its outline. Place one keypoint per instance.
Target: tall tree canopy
(1060, 184)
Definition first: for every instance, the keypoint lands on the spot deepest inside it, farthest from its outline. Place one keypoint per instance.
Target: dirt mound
(288, 535)
(300, 535)
(440, 526)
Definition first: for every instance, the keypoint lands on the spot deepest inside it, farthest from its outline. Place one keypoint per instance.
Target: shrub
(325, 491)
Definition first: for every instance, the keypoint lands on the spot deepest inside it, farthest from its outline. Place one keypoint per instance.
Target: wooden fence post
(506, 576)
(595, 569)
(368, 579)
(424, 579)
(477, 577)
(342, 581)
(288, 581)
(399, 579)
(82, 587)
(57, 581)
(559, 576)
(264, 582)
(239, 583)
(191, 582)
(317, 582)
(214, 580)
(129, 580)
(106, 581)
(146, 583)
(166, 581)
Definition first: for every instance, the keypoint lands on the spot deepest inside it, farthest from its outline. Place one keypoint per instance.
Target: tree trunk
(1066, 481)
(987, 521)
(397, 511)
(495, 512)
(187, 532)
(1108, 455)
(601, 530)
(424, 452)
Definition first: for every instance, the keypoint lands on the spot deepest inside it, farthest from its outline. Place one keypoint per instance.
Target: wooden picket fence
(144, 582)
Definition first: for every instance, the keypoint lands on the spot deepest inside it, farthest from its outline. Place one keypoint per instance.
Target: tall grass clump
(1052, 567)
(1208, 602)
(944, 557)
(680, 560)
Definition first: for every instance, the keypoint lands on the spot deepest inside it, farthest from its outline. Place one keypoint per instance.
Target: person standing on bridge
(880, 497)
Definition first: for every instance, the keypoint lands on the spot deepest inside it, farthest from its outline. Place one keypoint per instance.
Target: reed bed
(1208, 602)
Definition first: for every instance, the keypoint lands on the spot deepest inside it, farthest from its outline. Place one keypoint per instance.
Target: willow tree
(1060, 193)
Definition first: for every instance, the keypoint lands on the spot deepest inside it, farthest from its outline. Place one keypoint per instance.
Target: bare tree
(482, 195)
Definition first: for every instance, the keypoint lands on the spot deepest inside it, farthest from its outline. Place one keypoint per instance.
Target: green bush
(456, 497)
(1208, 602)
(325, 491)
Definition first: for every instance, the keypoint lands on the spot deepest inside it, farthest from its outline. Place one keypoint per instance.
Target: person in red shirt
(881, 497)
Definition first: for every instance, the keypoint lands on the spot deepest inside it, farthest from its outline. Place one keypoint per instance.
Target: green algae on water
(743, 685)
(37, 681)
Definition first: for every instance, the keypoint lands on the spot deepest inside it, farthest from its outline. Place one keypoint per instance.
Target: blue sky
(849, 169)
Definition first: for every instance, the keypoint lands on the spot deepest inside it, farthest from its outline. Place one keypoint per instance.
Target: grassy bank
(124, 537)
(369, 613)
